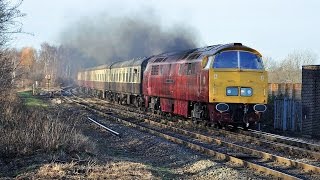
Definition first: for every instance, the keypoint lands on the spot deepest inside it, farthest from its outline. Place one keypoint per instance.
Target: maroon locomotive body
(172, 82)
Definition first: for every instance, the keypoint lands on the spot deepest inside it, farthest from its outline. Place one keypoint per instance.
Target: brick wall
(311, 100)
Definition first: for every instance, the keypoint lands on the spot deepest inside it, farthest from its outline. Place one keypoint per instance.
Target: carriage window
(117, 77)
(130, 75)
(127, 77)
(133, 76)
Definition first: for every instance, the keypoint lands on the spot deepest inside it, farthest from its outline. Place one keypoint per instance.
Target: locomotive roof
(198, 53)
(132, 62)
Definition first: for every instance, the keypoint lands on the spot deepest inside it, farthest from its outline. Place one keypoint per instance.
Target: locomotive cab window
(237, 59)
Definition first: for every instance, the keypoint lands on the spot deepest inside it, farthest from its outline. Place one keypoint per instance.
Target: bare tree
(48, 57)
(9, 13)
(8, 25)
(289, 70)
(269, 63)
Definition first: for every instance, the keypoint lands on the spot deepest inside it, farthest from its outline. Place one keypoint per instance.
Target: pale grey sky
(273, 27)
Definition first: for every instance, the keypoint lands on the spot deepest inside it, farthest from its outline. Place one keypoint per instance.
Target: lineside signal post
(48, 78)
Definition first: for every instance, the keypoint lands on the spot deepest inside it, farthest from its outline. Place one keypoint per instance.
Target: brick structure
(311, 100)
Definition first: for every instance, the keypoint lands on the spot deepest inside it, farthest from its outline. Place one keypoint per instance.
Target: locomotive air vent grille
(194, 56)
(159, 60)
(184, 56)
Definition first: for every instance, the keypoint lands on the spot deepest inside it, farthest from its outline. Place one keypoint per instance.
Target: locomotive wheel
(194, 120)
(217, 125)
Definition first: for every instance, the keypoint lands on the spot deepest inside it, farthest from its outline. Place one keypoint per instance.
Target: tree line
(61, 63)
(289, 70)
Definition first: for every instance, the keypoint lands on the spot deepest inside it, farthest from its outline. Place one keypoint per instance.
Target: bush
(24, 131)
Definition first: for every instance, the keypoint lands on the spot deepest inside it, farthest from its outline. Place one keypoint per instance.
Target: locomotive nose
(260, 107)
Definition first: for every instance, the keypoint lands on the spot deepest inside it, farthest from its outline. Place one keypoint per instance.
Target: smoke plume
(108, 39)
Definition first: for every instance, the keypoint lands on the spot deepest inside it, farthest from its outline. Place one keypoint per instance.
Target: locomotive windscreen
(238, 59)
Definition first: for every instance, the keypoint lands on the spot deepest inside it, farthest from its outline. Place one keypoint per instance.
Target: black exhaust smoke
(108, 39)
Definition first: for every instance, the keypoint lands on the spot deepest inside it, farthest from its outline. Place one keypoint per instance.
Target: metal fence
(287, 114)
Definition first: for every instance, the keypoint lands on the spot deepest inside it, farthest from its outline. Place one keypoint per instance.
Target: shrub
(26, 131)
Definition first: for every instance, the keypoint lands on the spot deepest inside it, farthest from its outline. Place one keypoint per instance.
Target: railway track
(289, 146)
(282, 139)
(258, 160)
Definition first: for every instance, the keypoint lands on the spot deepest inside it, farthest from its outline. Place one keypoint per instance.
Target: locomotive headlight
(246, 91)
(232, 91)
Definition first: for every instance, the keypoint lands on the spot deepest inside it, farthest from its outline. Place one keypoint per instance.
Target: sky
(274, 27)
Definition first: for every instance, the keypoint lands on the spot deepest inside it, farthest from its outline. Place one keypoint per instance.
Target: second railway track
(261, 161)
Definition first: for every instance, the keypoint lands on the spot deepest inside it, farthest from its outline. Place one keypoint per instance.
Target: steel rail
(264, 155)
(293, 145)
(292, 150)
(277, 145)
(104, 127)
(282, 139)
(196, 147)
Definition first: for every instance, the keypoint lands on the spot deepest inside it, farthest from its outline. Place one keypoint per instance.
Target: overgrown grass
(30, 100)
(26, 131)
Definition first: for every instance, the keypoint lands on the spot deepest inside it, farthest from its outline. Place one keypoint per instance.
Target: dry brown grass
(113, 170)
(27, 131)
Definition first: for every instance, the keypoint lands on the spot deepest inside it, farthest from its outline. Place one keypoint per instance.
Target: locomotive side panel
(175, 86)
(177, 81)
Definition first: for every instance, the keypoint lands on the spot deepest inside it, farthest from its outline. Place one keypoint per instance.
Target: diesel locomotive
(221, 84)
